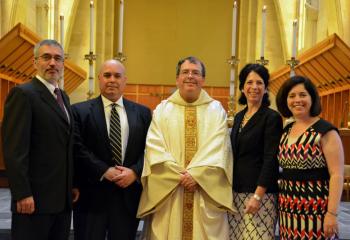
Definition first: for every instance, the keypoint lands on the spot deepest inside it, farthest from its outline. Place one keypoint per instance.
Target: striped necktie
(115, 136)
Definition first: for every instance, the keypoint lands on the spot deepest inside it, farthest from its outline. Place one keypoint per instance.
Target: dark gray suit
(93, 157)
(37, 144)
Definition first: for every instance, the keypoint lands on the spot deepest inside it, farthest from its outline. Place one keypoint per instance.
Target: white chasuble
(171, 148)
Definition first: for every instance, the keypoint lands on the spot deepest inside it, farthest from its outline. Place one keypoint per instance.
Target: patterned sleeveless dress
(304, 183)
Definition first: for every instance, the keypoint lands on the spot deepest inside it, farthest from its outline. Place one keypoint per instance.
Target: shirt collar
(106, 102)
(50, 86)
(203, 98)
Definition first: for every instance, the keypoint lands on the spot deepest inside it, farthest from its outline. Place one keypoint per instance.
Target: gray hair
(46, 42)
(193, 60)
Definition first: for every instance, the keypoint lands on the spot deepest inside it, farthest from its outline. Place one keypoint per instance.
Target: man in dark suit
(37, 140)
(107, 174)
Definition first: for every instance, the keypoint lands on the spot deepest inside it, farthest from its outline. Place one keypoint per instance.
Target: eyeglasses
(48, 57)
(194, 73)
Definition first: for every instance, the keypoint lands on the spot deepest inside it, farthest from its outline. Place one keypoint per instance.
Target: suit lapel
(98, 114)
(49, 98)
(235, 129)
(67, 105)
(253, 120)
(132, 118)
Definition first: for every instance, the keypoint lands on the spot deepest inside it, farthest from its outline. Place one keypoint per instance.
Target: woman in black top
(255, 136)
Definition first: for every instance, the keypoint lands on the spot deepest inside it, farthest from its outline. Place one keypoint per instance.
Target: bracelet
(332, 213)
(257, 197)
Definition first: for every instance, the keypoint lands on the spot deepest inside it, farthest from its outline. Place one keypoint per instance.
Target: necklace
(245, 120)
(246, 117)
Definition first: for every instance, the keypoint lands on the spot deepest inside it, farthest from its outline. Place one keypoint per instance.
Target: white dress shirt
(124, 126)
(52, 88)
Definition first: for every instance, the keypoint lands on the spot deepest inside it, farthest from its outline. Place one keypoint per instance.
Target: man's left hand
(125, 178)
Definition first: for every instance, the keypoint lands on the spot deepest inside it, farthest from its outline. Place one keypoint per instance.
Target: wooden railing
(152, 95)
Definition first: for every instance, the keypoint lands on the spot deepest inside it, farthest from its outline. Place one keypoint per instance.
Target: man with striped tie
(109, 147)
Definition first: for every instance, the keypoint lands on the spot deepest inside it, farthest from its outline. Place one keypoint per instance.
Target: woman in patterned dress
(312, 159)
(255, 137)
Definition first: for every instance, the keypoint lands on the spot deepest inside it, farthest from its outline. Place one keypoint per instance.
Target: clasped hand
(187, 181)
(121, 176)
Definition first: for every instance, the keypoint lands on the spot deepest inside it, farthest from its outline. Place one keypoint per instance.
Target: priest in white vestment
(187, 174)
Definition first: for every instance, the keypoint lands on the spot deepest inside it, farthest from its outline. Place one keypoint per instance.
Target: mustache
(190, 81)
(112, 85)
(50, 69)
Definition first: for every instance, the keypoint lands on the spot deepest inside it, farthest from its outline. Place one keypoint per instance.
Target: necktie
(115, 136)
(60, 101)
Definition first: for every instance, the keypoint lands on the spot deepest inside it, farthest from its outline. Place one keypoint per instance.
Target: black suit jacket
(37, 145)
(255, 150)
(93, 154)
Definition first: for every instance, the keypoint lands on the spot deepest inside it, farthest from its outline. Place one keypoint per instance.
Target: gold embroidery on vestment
(190, 150)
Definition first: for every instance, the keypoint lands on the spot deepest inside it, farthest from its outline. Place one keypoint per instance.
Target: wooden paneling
(130, 88)
(220, 91)
(331, 108)
(345, 103)
(3, 181)
(324, 103)
(335, 108)
(338, 110)
(345, 137)
(131, 97)
(152, 95)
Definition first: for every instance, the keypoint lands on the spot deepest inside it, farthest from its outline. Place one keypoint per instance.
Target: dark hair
(262, 72)
(282, 95)
(46, 42)
(193, 60)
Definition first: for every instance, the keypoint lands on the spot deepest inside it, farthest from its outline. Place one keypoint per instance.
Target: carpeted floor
(5, 217)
